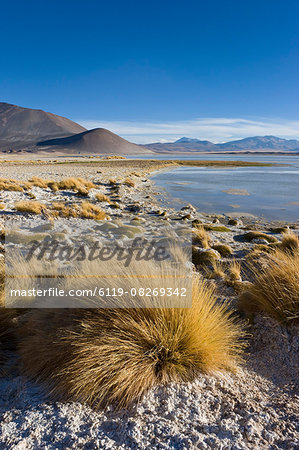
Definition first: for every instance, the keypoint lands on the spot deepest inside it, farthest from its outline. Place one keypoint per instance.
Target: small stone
(189, 207)
(186, 217)
(134, 208)
(235, 222)
(259, 241)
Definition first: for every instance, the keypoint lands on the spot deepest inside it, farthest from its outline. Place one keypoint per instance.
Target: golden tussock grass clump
(234, 270)
(2, 281)
(26, 185)
(136, 174)
(251, 235)
(114, 157)
(5, 314)
(223, 249)
(129, 182)
(113, 356)
(2, 205)
(91, 211)
(102, 197)
(217, 270)
(113, 181)
(10, 185)
(290, 242)
(75, 184)
(33, 207)
(205, 257)
(275, 288)
(53, 186)
(43, 183)
(82, 192)
(40, 182)
(85, 210)
(200, 237)
(233, 275)
(65, 210)
(8, 320)
(219, 228)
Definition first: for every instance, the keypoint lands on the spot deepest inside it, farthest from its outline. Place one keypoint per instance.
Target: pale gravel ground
(256, 408)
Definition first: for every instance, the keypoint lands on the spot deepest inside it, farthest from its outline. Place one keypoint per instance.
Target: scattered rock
(189, 207)
(235, 222)
(260, 241)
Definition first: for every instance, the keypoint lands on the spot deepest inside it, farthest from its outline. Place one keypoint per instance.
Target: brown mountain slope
(98, 140)
(22, 126)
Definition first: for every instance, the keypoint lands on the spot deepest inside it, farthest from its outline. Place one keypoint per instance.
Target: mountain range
(36, 131)
(25, 130)
(249, 144)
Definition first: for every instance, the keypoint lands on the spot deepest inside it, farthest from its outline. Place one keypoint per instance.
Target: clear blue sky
(141, 66)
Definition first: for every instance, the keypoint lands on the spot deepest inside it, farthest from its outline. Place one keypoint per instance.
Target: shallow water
(269, 192)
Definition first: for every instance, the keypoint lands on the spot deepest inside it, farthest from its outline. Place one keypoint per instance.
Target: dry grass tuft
(53, 186)
(33, 207)
(8, 318)
(85, 210)
(91, 211)
(200, 237)
(2, 282)
(233, 273)
(10, 185)
(251, 235)
(219, 228)
(114, 157)
(234, 270)
(82, 192)
(114, 356)
(275, 288)
(2, 205)
(223, 249)
(216, 271)
(75, 184)
(65, 210)
(129, 182)
(102, 198)
(204, 257)
(289, 243)
(40, 182)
